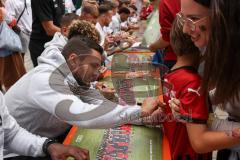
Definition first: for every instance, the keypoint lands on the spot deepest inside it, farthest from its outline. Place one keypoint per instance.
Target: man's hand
(134, 26)
(108, 40)
(152, 47)
(102, 70)
(50, 28)
(156, 118)
(106, 91)
(149, 106)
(124, 28)
(116, 37)
(61, 152)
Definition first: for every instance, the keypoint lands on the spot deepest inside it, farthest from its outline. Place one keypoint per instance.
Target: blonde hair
(90, 9)
(85, 29)
(90, 2)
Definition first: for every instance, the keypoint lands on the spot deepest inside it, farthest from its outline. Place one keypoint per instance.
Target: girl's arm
(204, 141)
(229, 127)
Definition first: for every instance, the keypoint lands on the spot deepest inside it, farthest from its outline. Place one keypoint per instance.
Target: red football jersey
(185, 83)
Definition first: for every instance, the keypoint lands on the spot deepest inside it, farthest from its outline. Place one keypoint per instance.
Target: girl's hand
(174, 105)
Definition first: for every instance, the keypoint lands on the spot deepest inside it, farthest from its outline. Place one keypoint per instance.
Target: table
(127, 142)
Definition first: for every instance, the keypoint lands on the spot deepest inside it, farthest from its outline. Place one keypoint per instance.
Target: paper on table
(136, 44)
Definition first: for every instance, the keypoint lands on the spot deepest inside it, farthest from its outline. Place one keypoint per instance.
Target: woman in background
(12, 66)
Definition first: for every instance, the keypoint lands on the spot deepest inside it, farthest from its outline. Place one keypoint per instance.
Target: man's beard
(82, 84)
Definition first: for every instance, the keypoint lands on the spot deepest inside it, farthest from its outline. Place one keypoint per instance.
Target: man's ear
(64, 31)
(73, 59)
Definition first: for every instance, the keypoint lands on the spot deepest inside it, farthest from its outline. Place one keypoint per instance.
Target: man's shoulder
(35, 78)
(116, 18)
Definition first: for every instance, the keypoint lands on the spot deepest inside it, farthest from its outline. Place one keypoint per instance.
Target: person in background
(138, 4)
(2, 15)
(2, 11)
(66, 21)
(60, 38)
(167, 13)
(11, 66)
(69, 6)
(85, 3)
(124, 3)
(104, 19)
(114, 4)
(46, 22)
(147, 9)
(120, 19)
(132, 22)
(155, 2)
(100, 1)
(124, 15)
(21, 11)
(77, 3)
(89, 13)
(133, 18)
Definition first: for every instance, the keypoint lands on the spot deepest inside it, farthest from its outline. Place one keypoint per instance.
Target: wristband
(46, 144)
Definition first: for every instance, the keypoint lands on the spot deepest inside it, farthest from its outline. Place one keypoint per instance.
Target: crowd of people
(69, 42)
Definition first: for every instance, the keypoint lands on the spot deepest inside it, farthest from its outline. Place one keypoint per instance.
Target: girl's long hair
(222, 67)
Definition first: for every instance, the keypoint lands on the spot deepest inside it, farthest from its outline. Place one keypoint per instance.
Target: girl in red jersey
(214, 28)
(188, 135)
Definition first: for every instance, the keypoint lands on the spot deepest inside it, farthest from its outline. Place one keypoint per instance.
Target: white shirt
(15, 138)
(124, 24)
(102, 33)
(115, 25)
(69, 6)
(133, 19)
(14, 9)
(79, 11)
(139, 4)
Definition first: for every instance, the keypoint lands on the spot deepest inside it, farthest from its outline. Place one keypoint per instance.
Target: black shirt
(45, 10)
